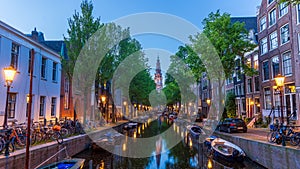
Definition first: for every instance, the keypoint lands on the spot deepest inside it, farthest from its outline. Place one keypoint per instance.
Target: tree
(294, 2)
(230, 105)
(218, 46)
(81, 28)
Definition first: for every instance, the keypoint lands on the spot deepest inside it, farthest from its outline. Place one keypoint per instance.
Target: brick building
(278, 54)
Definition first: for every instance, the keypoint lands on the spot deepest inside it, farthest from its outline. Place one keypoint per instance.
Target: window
(283, 9)
(43, 68)
(298, 42)
(287, 63)
(14, 55)
(11, 105)
(249, 85)
(53, 106)
(276, 101)
(272, 17)
(42, 105)
(275, 66)
(256, 83)
(263, 46)
(255, 62)
(298, 13)
(273, 40)
(263, 23)
(284, 34)
(268, 103)
(66, 95)
(249, 62)
(29, 61)
(266, 73)
(54, 72)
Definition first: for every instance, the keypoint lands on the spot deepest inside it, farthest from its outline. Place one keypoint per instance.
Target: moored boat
(225, 149)
(194, 130)
(73, 163)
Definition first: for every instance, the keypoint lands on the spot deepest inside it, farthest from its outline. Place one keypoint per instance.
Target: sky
(50, 17)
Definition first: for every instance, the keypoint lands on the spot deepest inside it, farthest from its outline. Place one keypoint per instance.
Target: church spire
(158, 75)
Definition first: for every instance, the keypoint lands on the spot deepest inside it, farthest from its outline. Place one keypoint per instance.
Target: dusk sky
(50, 17)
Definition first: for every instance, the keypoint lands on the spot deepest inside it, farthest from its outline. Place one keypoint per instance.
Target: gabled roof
(58, 46)
(250, 22)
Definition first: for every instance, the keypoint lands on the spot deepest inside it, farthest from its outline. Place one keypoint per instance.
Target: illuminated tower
(158, 76)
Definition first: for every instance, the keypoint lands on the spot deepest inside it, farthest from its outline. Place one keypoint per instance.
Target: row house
(66, 104)
(237, 84)
(15, 50)
(278, 36)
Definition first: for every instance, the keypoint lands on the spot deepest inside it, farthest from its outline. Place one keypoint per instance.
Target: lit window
(255, 62)
(267, 94)
(11, 105)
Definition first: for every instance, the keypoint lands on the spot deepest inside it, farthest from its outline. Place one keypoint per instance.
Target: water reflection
(187, 154)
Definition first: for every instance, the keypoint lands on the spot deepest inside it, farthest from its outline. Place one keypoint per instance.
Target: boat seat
(219, 142)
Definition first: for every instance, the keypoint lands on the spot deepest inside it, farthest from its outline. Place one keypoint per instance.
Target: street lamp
(103, 99)
(279, 87)
(9, 74)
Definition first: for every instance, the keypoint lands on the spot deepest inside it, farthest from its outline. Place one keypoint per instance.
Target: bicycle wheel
(295, 139)
(2, 144)
(58, 137)
(64, 132)
(271, 137)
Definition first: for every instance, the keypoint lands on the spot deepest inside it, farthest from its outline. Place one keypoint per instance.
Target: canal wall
(266, 154)
(40, 153)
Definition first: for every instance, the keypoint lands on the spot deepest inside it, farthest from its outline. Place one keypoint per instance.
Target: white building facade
(15, 51)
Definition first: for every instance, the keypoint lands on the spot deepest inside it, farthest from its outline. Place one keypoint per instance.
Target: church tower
(158, 76)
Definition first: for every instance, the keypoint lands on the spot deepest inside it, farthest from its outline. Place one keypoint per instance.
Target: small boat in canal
(194, 130)
(225, 149)
(129, 126)
(73, 163)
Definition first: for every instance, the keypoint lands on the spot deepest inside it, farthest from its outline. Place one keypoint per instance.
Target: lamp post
(208, 102)
(279, 87)
(9, 74)
(103, 101)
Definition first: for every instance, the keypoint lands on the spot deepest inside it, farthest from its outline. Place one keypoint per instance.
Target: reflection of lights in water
(177, 129)
(191, 142)
(174, 127)
(143, 127)
(182, 135)
(148, 121)
(124, 147)
(134, 134)
(139, 130)
(146, 125)
(209, 164)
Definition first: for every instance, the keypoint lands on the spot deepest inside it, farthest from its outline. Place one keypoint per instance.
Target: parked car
(232, 125)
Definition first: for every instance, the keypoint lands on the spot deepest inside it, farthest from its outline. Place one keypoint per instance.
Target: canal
(184, 155)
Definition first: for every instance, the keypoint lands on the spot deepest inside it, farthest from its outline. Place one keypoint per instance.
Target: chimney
(34, 34)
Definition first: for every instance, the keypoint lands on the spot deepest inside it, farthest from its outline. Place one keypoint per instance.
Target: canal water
(182, 156)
